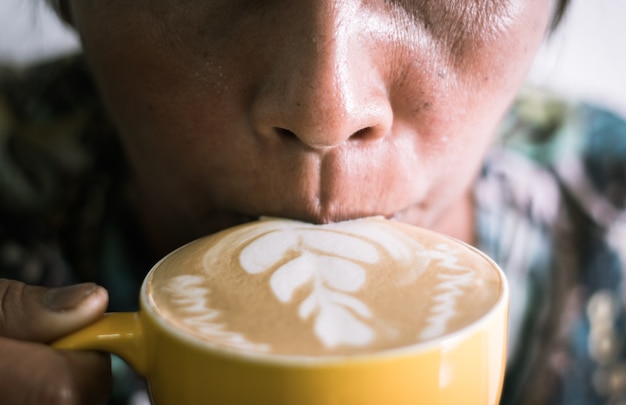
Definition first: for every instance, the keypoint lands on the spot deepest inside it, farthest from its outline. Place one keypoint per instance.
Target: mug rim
(501, 304)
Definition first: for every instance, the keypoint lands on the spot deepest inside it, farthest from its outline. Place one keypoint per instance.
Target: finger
(43, 314)
(32, 373)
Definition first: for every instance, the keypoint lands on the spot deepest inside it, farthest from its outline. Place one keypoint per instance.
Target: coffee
(284, 287)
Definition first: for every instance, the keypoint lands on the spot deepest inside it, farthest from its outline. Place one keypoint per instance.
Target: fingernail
(67, 298)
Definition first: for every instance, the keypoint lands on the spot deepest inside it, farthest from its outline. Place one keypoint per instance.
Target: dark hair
(559, 13)
(556, 19)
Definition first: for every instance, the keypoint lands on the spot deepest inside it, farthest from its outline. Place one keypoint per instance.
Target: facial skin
(320, 110)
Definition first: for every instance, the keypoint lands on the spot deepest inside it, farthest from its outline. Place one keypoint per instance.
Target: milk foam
(287, 287)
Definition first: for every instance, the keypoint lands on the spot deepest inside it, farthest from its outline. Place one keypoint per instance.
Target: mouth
(409, 214)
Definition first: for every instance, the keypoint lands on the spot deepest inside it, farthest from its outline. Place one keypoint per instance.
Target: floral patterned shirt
(550, 209)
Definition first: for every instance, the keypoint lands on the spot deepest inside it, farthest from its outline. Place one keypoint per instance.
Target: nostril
(364, 134)
(367, 134)
(285, 133)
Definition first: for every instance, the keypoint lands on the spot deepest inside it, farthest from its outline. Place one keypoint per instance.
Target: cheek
(161, 96)
(454, 98)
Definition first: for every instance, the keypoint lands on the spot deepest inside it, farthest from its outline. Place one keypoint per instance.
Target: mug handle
(120, 333)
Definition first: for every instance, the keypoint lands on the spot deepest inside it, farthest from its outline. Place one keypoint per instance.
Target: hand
(31, 372)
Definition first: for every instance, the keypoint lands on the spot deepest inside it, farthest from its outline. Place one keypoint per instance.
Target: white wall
(585, 59)
(29, 31)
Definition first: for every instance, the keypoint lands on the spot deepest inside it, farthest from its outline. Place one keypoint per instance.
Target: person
(181, 118)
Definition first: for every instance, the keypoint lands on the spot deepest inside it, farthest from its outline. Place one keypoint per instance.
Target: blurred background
(584, 59)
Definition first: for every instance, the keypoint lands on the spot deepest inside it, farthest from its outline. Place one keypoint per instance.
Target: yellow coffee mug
(464, 367)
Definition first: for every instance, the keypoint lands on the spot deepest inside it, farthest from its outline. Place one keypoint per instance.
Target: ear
(63, 10)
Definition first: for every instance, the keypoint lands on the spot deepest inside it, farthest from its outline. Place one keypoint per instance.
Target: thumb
(41, 314)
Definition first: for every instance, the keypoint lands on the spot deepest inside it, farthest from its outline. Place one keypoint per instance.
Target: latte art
(290, 288)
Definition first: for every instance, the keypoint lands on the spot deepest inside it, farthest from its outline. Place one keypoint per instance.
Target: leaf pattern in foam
(341, 274)
(267, 251)
(189, 294)
(335, 325)
(340, 245)
(331, 263)
(329, 259)
(292, 275)
(394, 242)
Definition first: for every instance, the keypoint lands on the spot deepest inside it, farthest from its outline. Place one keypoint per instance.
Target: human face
(320, 110)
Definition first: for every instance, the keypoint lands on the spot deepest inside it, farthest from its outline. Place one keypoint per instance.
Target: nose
(325, 85)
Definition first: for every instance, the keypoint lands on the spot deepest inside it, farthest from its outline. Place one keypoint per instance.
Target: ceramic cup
(282, 312)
